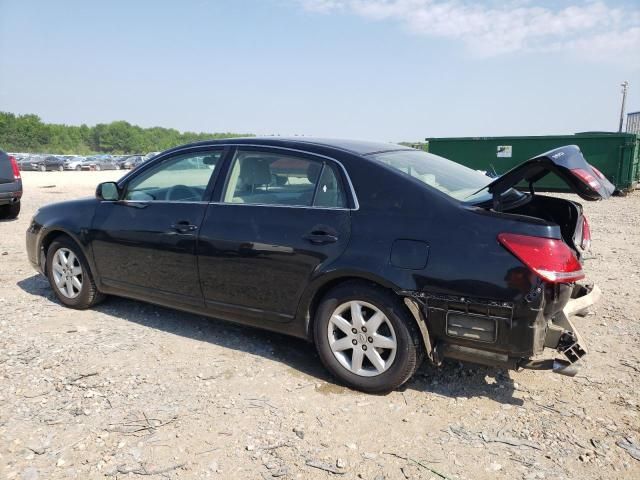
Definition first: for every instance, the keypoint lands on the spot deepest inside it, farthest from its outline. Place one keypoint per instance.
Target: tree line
(28, 133)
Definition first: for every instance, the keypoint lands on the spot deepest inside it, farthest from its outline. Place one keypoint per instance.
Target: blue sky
(389, 70)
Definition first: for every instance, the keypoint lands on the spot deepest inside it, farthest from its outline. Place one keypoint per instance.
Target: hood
(568, 163)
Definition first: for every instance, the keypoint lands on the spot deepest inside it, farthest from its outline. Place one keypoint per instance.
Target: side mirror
(108, 191)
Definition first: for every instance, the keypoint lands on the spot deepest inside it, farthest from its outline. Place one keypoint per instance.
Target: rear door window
(265, 178)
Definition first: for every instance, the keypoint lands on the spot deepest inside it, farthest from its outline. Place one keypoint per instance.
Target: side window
(182, 178)
(263, 178)
(270, 179)
(330, 192)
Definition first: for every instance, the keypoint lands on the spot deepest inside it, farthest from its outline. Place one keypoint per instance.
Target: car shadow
(462, 381)
(452, 379)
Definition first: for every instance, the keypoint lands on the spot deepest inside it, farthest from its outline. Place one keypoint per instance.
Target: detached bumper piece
(563, 336)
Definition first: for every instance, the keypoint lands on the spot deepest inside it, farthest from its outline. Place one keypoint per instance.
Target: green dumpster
(616, 155)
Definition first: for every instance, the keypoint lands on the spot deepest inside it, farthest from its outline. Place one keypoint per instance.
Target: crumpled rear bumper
(563, 336)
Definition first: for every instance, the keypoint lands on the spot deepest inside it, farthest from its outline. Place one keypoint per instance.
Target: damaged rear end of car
(539, 243)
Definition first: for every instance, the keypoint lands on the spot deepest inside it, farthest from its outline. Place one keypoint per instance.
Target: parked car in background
(132, 161)
(49, 163)
(119, 161)
(74, 162)
(10, 186)
(380, 255)
(99, 162)
(26, 162)
(150, 155)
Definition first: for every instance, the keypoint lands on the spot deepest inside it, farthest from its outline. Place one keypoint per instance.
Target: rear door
(145, 243)
(281, 215)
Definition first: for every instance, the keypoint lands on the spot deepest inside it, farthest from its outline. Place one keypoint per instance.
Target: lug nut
(354, 341)
(354, 331)
(364, 347)
(370, 340)
(364, 329)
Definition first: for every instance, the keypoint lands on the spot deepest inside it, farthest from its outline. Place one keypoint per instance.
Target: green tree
(27, 133)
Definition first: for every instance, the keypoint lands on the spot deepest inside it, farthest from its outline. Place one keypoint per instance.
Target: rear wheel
(61, 168)
(69, 275)
(366, 337)
(9, 212)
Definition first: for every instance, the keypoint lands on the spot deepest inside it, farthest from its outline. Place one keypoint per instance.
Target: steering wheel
(181, 192)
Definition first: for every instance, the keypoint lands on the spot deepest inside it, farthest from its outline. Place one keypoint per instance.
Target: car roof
(359, 147)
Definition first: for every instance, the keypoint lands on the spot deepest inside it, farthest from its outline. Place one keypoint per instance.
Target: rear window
(6, 170)
(449, 177)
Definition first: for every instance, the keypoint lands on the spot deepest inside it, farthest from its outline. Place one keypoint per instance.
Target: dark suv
(10, 186)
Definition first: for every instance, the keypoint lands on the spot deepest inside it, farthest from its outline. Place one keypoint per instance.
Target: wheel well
(47, 241)
(325, 288)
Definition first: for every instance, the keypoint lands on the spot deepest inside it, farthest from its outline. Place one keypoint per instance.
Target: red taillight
(551, 259)
(586, 177)
(585, 243)
(14, 166)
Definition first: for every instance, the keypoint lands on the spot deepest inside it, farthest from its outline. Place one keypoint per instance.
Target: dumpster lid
(568, 163)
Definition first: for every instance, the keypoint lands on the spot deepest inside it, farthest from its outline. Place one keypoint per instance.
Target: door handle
(320, 237)
(184, 227)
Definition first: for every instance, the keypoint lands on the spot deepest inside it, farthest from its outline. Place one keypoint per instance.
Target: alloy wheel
(362, 338)
(67, 273)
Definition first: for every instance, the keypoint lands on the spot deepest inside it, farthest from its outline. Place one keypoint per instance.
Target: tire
(43, 168)
(398, 365)
(9, 212)
(78, 168)
(97, 168)
(80, 298)
(61, 168)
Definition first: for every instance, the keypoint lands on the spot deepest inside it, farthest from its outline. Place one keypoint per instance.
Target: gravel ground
(131, 390)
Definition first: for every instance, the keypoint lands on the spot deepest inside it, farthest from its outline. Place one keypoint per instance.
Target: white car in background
(74, 163)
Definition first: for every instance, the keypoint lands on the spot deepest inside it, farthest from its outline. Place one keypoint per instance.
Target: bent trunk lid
(568, 163)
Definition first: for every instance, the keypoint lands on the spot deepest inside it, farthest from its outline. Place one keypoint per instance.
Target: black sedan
(49, 163)
(380, 255)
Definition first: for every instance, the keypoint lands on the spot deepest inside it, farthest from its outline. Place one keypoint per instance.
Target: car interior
(268, 179)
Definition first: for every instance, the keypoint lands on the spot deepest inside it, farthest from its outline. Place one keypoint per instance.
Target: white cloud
(593, 29)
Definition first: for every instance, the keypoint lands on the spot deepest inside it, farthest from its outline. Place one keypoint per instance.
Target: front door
(144, 244)
(281, 216)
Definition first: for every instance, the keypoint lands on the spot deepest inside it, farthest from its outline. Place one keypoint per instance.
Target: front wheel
(366, 337)
(69, 275)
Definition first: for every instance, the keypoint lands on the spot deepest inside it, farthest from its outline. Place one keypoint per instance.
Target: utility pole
(624, 86)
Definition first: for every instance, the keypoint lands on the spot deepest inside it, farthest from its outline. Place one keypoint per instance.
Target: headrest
(255, 171)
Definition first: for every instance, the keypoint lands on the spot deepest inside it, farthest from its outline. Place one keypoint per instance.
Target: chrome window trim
(144, 202)
(279, 205)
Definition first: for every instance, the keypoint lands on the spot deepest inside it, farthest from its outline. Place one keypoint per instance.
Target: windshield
(449, 177)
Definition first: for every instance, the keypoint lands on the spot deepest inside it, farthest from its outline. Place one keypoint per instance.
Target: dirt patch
(133, 390)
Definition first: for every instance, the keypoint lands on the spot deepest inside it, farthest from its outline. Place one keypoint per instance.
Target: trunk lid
(568, 163)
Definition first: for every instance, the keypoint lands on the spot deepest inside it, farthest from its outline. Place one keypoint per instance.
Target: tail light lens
(586, 177)
(585, 244)
(14, 166)
(597, 172)
(549, 258)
